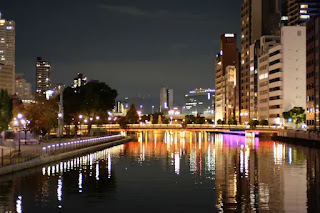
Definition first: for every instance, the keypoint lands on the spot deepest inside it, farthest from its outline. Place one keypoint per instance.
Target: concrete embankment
(303, 138)
(53, 158)
(297, 141)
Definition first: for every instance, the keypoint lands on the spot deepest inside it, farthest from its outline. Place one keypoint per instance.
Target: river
(173, 171)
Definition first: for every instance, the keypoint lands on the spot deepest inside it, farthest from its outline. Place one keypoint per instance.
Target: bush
(219, 121)
(253, 123)
(264, 123)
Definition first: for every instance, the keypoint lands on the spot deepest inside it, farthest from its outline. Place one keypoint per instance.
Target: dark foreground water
(173, 172)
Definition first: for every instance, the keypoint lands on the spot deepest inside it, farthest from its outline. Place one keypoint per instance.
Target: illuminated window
(263, 76)
(304, 6)
(305, 16)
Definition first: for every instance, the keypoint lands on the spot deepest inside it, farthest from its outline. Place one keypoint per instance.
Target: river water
(173, 171)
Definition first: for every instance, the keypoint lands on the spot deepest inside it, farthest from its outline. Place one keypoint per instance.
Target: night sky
(135, 46)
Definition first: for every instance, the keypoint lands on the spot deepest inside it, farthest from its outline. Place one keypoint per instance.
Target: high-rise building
(43, 76)
(258, 18)
(23, 89)
(282, 74)
(79, 81)
(313, 73)
(7, 55)
(259, 63)
(227, 58)
(300, 11)
(166, 99)
(199, 102)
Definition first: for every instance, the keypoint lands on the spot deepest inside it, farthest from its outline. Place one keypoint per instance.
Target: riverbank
(303, 138)
(61, 156)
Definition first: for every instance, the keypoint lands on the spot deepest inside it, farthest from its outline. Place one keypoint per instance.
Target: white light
(229, 35)
(20, 115)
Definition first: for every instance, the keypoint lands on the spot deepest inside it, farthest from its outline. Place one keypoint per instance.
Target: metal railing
(14, 157)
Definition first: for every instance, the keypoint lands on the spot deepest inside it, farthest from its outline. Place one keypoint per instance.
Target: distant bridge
(189, 127)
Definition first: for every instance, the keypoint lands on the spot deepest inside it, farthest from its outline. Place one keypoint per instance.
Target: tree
(253, 123)
(199, 119)
(5, 110)
(132, 115)
(264, 123)
(231, 121)
(42, 115)
(91, 100)
(123, 122)
(189, 119)
(297, 114)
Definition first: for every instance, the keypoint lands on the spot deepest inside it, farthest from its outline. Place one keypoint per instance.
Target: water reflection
(187, 170)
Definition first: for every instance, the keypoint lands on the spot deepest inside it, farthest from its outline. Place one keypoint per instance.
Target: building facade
(43, 77)
(258, 18)
(228, 57)
(313, 74)
(300, 11)
(23, 89)
(166, 99)
(7, 55)
(79, 81)
(282, 74)
(199, 102)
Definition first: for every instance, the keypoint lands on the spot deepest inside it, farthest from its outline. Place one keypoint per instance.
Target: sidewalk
(31, 151)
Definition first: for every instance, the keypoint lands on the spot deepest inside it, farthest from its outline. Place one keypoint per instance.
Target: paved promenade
(34, 150)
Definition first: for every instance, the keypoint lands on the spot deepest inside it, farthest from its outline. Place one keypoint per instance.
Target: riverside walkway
(37, 154)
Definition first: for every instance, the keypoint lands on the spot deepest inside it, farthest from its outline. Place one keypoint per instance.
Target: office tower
(258, 18)
(7, 55)
(228, 56)
(23, 89)
(282, 75)
(200, 102)
(313, 73)
(79, 81)
(166, 99)
(258, 49)
(43, 76)
(300, 11)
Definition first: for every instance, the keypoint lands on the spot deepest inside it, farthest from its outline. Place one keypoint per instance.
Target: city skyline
(178, 40)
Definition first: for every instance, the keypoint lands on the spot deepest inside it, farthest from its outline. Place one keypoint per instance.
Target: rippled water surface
(173, 172)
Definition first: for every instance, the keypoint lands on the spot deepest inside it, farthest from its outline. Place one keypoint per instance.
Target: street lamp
(18, 122)
(60, 128)
(80, 118)
(86, 121)
(97, 119)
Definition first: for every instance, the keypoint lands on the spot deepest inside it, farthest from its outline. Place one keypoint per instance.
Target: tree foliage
(42, 115)
(253, 123)
(91, 100)
(5, 110)
(297, 114)
(232, 121)
(132, 115)
(264, 122)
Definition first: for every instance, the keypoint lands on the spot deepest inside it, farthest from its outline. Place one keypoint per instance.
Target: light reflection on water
(182, 171)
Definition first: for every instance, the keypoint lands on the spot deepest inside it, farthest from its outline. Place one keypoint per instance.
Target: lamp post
(60, 130)
(17, 122)
(86, 121)
(80, 118)
(97, 119)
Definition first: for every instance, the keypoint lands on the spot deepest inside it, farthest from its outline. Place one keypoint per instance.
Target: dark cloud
(135, 46)
(162, 13)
